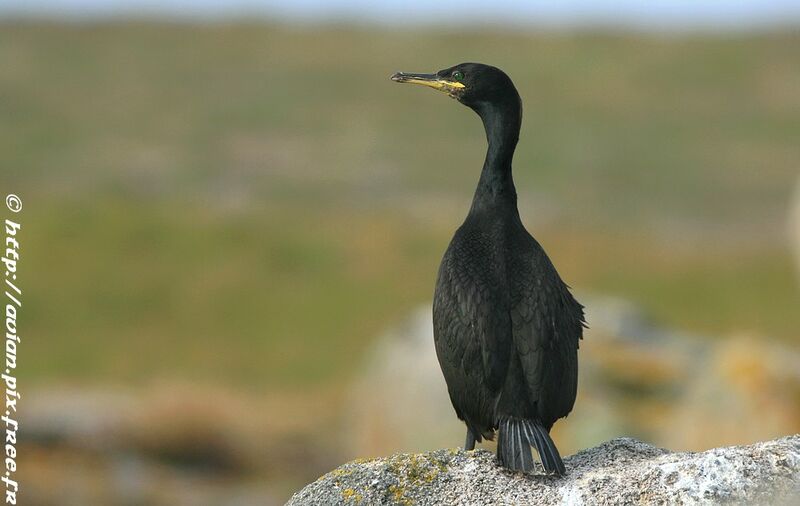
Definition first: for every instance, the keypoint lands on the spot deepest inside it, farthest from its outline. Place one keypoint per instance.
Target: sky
(657, 14)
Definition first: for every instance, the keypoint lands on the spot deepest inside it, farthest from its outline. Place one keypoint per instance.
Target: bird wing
(547, 325)
(472, 322)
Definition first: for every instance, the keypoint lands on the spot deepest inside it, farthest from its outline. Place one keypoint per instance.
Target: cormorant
(506, 327)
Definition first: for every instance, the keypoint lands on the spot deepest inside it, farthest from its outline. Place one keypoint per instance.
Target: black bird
(506, 327)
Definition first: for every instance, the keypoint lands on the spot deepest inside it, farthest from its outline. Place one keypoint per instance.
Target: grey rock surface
(620, 471)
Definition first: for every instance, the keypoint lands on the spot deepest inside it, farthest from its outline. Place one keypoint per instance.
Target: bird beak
(429, 80)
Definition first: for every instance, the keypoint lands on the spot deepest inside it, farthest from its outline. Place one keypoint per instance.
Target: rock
(399, 401)
(620, 471)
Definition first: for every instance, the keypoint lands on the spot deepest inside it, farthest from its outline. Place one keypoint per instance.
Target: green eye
(457, 75)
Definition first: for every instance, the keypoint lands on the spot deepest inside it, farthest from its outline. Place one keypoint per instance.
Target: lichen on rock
(620, 471)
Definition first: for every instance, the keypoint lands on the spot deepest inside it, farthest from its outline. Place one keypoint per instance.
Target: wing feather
(547, 324)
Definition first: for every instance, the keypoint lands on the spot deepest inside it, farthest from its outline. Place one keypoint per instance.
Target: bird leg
(470, 443)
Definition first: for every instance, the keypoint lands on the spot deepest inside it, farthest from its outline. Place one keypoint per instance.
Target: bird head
(473, 84)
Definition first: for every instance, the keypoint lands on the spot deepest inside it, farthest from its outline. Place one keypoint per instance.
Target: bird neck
(496, 185)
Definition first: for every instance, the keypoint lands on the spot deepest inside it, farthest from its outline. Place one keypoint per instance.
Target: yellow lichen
(399, 496)
(349, 494)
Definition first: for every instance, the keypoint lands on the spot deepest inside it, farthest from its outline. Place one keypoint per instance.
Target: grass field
(251, 205)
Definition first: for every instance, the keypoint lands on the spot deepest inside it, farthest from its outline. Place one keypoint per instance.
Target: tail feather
(526, 459)
(516, 436)
(551, 460)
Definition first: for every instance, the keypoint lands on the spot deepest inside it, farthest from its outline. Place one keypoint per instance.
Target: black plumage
(506, 326)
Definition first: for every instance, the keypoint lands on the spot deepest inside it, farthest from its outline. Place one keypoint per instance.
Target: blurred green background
(232, 213)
